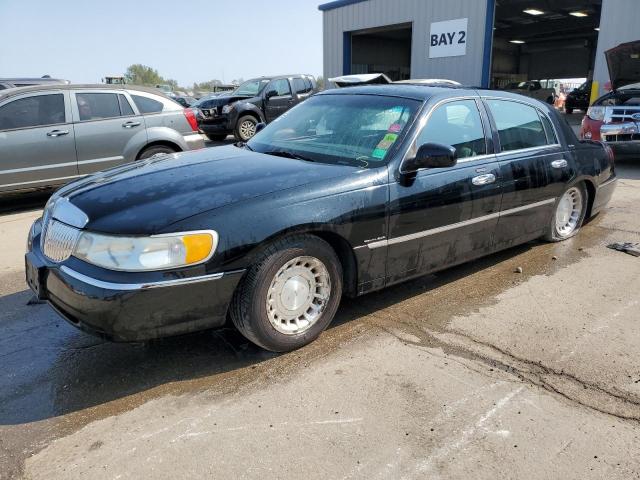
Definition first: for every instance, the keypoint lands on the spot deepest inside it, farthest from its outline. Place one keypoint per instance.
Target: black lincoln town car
(351, 191)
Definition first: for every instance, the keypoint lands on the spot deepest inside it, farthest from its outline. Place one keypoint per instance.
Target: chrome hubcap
(247, 129)
(298, 295)
(568, 212)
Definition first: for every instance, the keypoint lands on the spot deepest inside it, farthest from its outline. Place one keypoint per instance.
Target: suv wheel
(155, 151)
(289, 295)
(245, 128)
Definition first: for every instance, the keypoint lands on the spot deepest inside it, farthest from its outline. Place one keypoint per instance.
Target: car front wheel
(569, 213)
(290, 294)
(245, 128)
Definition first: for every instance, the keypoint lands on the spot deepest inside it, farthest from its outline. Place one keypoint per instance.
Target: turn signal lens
(198, 246)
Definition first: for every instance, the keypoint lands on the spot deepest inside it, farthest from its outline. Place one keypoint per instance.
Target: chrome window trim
(444, 228)
(422, 122)
(137, 286)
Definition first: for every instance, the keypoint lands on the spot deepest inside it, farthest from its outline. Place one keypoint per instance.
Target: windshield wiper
(243, 145)
(287, 154)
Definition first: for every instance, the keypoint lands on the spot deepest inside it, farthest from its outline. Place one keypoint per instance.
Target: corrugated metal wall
(619, 23)
(466, 69)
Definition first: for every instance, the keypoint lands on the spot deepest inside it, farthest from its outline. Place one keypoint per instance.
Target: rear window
(95, 106)
(33, 111)
(146, 104)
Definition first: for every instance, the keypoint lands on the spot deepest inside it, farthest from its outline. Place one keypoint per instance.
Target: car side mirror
(431, 155)
(271, 93)
(260, 126)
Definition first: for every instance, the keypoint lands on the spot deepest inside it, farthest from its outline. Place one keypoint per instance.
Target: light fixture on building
(579, 14)
(519, 42)
(597, 29)
(533, 11)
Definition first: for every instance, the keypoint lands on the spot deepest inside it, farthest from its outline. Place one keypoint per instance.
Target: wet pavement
(476, 372)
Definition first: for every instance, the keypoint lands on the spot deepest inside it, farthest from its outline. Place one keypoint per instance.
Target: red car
(614, 118)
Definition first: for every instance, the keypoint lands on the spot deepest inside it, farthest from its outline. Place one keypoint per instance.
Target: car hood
(623, 62)
(223, 100)
(147, 196)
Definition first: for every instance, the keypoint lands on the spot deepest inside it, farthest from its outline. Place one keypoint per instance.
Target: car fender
(135, 144)
(242, 108)
(165, 134)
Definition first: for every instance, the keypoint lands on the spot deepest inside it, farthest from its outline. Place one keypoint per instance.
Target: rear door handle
(561, 163)
(485, 179)
(57, 133)
(130, 124)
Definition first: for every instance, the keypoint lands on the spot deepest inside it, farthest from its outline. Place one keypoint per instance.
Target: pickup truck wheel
(289, 295)
(568, 214)
(155, 151)
(218, 137)
(245, 128)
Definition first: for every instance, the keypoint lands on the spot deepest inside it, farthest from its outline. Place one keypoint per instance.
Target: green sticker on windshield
(385, 144)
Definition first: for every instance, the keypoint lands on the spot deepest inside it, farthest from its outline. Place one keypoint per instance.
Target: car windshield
(357, 130)
(251, 87)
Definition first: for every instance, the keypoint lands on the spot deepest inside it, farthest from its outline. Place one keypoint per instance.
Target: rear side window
(147, 105)
(301, 85)
(519, 125)
(458, 124)
(125, 108)
(95, 106)
(33, 111)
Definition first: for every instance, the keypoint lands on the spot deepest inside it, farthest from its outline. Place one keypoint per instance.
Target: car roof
(415, 92)
(9, 92)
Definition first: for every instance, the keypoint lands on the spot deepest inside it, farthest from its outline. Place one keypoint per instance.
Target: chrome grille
(621, 114)
(58, 240)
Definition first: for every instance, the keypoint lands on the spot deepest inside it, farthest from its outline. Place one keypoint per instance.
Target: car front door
(533, 165)
(107, 129)
(36, 141)
(443, 216)
(278, 98)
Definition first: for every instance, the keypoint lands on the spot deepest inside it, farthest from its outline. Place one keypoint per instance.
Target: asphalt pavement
(476, 372)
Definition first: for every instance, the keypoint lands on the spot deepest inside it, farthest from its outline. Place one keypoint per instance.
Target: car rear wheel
(568, 214)
(217, 138)
(245, 128)
(155, 151)
(290, 294)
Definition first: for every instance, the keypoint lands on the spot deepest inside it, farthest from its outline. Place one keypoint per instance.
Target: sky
(189, 41)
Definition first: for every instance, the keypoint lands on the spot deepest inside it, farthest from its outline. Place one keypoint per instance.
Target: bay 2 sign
(448, 38)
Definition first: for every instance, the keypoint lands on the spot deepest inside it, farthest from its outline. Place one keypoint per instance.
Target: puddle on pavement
(63, 379)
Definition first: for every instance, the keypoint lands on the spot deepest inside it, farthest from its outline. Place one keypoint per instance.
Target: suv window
(33, 111)
(125, 108)
(147, 105)
(281, 87)
(458, 124)
(519, 125)
(301, 85)
(94, 106)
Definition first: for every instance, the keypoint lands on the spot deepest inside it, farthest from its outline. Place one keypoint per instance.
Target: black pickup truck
(259, 100)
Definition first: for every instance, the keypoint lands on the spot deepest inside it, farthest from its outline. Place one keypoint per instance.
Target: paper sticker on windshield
(385, 144)
(395, 128)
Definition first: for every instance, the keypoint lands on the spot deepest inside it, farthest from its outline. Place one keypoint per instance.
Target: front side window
(95, 106)
(356, 130)
(33, 111)
(457, 124)
(518, 125)
(281, 87)
(147, 105)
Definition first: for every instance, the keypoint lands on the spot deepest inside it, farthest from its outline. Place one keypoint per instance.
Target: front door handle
(130, 124)
(485, 179)
(57, 133)
(561, 163)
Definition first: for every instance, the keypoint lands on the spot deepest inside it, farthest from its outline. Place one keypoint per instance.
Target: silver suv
(54, 133)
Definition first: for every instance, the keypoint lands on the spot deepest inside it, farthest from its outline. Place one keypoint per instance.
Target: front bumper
(623, 138)
(123, 306)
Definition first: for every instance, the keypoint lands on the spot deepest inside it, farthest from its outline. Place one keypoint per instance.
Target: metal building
(487, 43)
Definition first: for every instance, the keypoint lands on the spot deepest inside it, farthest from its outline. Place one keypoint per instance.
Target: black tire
(248, 309)
(218, 137)
(568, 110)
(242, 133)
(552, 234)
(155, 150)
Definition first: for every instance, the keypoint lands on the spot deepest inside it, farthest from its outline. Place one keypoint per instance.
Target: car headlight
(157, 252)
(227, 108)
(596, 113)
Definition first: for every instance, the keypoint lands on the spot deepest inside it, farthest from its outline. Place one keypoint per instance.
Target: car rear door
(108, 130)
(443, 216)
(37, 145)
(534, 167)
(279, 101)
